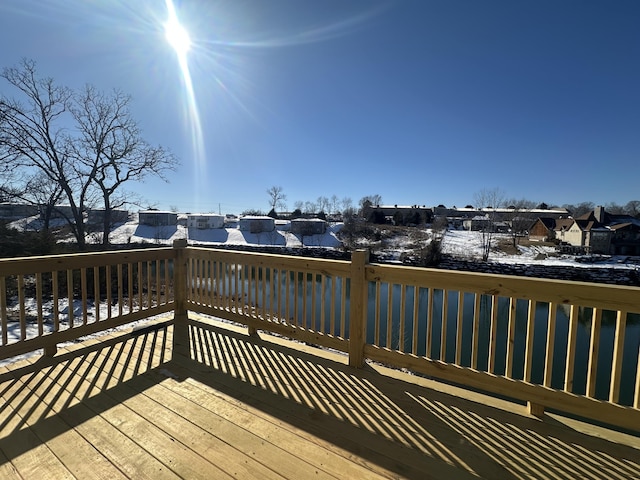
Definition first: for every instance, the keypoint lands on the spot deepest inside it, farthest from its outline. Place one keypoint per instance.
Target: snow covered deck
(239, 406)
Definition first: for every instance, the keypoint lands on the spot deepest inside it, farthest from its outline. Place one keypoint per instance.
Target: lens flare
(177, 35)
(179, 39)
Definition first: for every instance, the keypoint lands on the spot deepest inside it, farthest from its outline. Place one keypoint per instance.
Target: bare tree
(85, 143)
(110, 150)
(488, 200)
(580, 208)
(519, 216)
(277, 197)
(335, 204)
(371, 200)
(346, 204)
(32, 136)
(323, 204)
(633, 208)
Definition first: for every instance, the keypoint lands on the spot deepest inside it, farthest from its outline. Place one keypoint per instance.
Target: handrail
(85, 293)
(514, 336)
(550, 343)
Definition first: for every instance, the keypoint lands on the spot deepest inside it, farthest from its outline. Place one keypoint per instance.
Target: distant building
(308, 226)
(402, 214)
(117, 216)
(157, 218)
(17, 210)
(595, 232)
(204, 221)
(257, 224)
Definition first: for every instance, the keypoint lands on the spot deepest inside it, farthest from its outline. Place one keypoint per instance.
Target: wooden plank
(376, 320)
(403, 309)
(28, 455)
(22, 314)
(493, 335)
(550, 345)
(295, 419)
(39, 303)
(594, 349)
(586, 407)
(70, 303)
(607, 297)
(443, 331)
(389, 338)
(571, 348)
(3, 310)
(416, 320)
(79, 457)
(83, 294)
(476, 330)
(459, 323)
(531, 329)
(511, 337)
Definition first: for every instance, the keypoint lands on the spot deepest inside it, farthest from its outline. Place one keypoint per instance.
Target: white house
(157, 218)
(308, 226)
(204, 221)
(257, 224)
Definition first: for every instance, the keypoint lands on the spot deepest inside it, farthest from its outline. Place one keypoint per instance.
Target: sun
(175, 33)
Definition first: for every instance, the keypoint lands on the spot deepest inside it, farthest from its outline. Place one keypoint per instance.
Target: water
(316, 314)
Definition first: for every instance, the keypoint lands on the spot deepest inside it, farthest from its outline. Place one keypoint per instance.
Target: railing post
(358, 308)
(180, 317)
(535, 409)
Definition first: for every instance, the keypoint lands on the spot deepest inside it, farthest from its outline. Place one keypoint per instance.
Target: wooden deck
(248, 407)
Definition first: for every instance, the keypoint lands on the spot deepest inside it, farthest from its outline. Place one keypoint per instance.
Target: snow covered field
(132, 232)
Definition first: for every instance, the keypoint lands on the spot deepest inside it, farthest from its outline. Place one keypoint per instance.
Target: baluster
(571, 348)
(416, 319)
(594, 347)
(551, 335)
(476, 330)
(459, 323)
(528, 359)
(511, 337)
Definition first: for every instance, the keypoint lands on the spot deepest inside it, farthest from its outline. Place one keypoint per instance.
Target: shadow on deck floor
(97, 400)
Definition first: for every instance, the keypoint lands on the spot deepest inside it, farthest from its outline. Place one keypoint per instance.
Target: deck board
(239, 406)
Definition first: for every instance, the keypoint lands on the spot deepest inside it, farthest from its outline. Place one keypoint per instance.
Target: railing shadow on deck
(392, 422)
(54, 394)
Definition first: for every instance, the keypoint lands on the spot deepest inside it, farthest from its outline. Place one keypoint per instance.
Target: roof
(563, 223)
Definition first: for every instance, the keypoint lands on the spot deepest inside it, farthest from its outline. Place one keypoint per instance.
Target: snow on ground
(31, 331)
(464, 244)
(132, 232)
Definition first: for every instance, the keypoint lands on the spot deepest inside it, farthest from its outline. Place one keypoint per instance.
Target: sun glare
(178, 38)
(176, 34)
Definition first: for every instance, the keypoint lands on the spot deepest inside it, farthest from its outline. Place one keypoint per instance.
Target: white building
(257, 224)
(204, 221)
(157, 218)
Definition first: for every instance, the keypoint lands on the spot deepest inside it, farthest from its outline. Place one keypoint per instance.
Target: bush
(14, 243)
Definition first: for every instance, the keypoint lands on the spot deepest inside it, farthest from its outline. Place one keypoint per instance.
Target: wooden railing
(539, 341)
(302, 298)
(569, 346)
(45, 301)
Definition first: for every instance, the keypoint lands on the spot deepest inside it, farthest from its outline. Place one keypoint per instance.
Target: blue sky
(419, 101)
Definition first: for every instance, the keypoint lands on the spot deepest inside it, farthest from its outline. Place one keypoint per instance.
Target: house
(624, 230)
(257, 224)
(402, 214)
(548, 229)
(17, 210)
(204, 221)
(542, 230)
(625, 239)
(308, 226)
(157, 218)
(96, 216)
